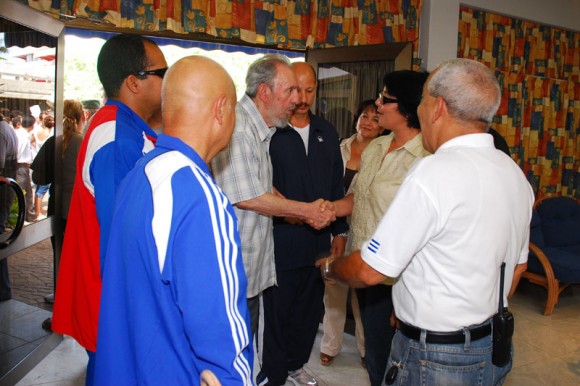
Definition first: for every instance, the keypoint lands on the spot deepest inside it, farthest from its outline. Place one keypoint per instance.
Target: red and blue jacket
(115, 140)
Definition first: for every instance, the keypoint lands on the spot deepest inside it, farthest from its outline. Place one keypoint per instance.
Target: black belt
(452, 337)
(23, 165)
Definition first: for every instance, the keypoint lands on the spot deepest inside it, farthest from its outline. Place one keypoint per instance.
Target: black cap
(91, 104)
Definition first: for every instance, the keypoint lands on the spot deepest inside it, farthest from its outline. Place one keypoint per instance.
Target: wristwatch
(326, 271)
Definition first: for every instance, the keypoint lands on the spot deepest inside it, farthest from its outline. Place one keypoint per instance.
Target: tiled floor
(20, 333)
(547, 349)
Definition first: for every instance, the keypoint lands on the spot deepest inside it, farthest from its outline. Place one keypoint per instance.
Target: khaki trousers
(335, 301)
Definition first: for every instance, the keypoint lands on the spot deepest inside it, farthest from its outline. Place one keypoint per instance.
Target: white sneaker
(262, 380)
(301, 377)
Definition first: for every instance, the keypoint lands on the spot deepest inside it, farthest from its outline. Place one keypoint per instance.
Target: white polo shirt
(25, 154)
(457, 216)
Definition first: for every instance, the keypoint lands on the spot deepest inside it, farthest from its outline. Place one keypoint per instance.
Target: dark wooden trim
(368, 53)
(24, 15)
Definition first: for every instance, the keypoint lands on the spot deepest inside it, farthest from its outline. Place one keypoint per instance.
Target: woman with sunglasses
(384, 164)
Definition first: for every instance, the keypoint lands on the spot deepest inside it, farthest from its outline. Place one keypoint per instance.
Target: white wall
(439, 21)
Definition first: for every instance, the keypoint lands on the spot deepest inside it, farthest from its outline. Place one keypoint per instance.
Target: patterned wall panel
(538, 68)
(290, 24)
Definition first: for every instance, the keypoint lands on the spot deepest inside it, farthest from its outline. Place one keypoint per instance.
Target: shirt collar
(174, 143)
(347, 142)
(413, 146)
(264, 132)
(152, 135)
(468, 140)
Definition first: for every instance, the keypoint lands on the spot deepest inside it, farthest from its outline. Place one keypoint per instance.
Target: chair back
(554, 259)
(560, 221)
(536, 235)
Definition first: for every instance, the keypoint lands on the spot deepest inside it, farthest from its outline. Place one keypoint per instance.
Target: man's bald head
(306, 77)
(303, 68)
(198, 103)
(191, 83)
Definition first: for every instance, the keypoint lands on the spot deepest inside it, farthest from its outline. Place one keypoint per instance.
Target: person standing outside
(8, 167)
(178, 248)
(131, 68)
(458, 216)
(90, 107)
(39, 138)
(8, 152)
(67, 145)
(25, 158)
(243, 170)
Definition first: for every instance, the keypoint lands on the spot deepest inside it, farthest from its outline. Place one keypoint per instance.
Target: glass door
(31, 112)
(349, 75)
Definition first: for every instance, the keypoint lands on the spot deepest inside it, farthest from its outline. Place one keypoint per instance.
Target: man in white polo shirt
(456, 218)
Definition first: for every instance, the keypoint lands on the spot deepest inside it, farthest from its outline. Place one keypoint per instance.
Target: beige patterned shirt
(377, 182)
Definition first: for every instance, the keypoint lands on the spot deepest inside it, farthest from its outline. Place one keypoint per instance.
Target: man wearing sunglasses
(131, 69)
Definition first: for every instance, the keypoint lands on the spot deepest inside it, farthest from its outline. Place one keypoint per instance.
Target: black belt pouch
(503, 330)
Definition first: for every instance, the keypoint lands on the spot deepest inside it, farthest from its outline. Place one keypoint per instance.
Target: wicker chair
(554, 260)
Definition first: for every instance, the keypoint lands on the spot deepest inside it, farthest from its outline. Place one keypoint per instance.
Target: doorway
(349, 75)
(30, 50)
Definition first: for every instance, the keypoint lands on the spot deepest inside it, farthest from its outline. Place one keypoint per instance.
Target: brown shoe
(325, 359)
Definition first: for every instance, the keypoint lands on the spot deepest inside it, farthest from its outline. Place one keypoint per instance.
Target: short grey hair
(264, 70)
(470, 90)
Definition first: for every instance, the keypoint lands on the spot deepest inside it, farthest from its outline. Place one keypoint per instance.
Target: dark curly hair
(407, 87)
(361, 109)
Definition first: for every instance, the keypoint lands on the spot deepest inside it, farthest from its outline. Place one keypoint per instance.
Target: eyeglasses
(383, 100)
(160, 72)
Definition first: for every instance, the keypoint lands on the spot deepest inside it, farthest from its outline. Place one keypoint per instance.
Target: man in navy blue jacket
(307, 165)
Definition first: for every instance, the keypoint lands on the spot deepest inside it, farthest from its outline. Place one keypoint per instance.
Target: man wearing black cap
(90, 107)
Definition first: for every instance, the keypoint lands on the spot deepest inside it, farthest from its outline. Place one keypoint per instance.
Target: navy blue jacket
(306, 178)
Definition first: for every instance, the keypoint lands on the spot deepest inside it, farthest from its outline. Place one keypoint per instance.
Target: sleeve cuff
(376, 261)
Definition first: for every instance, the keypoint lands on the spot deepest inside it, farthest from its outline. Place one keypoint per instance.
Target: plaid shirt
(243, 171)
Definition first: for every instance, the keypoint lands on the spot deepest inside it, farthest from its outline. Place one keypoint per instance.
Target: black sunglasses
(384, 100)
(160, 72)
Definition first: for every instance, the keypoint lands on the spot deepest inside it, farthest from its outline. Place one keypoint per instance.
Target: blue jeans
(431, 364)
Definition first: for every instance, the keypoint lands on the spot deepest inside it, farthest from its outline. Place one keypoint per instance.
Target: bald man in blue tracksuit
(173, 283)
